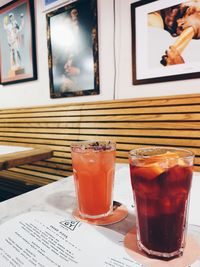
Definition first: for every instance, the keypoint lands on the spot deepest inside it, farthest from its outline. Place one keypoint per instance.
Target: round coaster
(119, 213)
(190, 255)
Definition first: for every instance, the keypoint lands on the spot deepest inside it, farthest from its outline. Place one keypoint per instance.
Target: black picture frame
(18, 61)
(52, 4)
(157, 55)
(72, 40)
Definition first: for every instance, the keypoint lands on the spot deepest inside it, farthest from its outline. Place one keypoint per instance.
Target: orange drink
(93, 168)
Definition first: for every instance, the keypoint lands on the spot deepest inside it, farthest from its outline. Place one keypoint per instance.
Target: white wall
(37, 92)
(124, 87)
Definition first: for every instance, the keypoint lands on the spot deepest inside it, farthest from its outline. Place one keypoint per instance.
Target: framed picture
(17, 42)
(165, 40)
(50, 4)
(73, 50)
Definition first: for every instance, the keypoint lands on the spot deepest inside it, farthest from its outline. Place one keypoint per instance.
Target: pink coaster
(191, 253)
(119, 213)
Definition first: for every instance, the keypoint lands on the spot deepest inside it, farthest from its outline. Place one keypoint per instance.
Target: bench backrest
(162, 121)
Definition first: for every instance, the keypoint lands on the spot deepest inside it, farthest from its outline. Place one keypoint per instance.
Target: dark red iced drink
(161, 180)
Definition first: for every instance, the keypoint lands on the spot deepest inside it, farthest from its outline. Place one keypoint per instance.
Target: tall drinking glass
(161, 180)
(93, 168)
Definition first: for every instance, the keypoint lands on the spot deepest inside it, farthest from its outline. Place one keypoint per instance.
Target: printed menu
(44, 239)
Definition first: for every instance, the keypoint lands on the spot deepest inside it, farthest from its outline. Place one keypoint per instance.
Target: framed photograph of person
(17, 42)
(165, 40)
(73, 49)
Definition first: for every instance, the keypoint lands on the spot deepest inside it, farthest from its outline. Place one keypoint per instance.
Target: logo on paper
(71, 225)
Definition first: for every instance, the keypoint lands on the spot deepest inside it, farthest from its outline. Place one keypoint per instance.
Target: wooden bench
(132, 123)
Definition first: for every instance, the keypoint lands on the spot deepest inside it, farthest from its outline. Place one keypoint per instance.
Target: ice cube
(148, 188)
(167, 205)
(180, 175)
(176, 181)
(166, 160)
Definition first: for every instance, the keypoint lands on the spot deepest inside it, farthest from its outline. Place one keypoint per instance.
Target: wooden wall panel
(161, 121)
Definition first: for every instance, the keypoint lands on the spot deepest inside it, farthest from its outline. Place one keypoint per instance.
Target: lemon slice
(149, 171)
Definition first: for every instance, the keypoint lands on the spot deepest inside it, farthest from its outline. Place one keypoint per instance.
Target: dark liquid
(161, 203)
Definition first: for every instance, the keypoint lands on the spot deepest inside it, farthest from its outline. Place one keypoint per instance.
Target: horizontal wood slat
(28, 179)
(104, 111)
(111, 118)
(161, 121)
(107, 132)
(142, 102)
(52, 127)
(63, 127)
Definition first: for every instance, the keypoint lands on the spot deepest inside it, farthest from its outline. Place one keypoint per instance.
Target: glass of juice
(161, 181)
(93, 168)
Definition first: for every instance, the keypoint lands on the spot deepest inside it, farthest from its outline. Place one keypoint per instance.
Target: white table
(59, 198)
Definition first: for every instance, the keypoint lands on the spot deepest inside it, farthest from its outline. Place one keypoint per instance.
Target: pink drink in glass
(93, 167)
